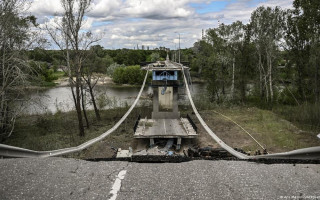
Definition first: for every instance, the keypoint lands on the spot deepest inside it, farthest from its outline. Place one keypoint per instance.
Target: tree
(218, 38)
(206, 62)
(91, 65)
(69, 36)
(15, 38)
(235, 42)
(246, 62)
(302, 40)
(154, 57)
(267, 30)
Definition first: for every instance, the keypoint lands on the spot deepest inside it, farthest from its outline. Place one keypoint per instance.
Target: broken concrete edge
(124, 153)
(180, 159)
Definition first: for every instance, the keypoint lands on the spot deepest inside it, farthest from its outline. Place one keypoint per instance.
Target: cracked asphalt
(61, 178)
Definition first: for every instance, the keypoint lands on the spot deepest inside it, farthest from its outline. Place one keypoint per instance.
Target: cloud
(126, 23)
(273, 3)
(104, 8)
(46, 7)
(149, 9)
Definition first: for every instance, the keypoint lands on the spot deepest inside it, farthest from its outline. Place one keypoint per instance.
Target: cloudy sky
(154, 23)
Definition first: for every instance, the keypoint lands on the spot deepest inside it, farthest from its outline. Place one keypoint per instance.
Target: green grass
(305, 116)
(279, 127)
(57, 75)
(55, 131)
(270, 129)
(60, 130)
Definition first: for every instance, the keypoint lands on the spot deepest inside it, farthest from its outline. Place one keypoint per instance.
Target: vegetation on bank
(271, 62)
(44, 75)
(305, 116)
(129, 75)
(55, 131)
(59, 130)
(46, 63)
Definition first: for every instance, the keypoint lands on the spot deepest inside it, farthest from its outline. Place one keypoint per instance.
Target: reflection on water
(60, 98)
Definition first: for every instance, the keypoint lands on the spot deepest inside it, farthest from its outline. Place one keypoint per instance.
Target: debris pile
(207, 152)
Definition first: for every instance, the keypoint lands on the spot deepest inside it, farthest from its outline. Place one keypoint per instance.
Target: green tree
(155, 56)
(15, 70)
(267, 26)
(302, 39)
(128, 75)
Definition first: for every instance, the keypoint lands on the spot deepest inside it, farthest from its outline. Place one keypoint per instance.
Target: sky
(154, 23)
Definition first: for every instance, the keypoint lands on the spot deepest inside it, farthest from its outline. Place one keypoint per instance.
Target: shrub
(111, 69)
(307, 115)
(128, 75)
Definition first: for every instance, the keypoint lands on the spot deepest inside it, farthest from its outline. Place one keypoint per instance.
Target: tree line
(25, 60)
(277, 48)
(272, 59)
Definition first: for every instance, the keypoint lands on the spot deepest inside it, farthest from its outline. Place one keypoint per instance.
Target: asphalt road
(59, 178)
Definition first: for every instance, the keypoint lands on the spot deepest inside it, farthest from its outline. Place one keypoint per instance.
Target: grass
(269, 129)
(56, 75)
(283, 128)
(60, 130)
(49, 82)
(55, 131)
(306, 116)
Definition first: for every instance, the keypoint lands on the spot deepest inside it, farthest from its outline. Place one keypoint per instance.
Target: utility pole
(175, 52)
(179, 47)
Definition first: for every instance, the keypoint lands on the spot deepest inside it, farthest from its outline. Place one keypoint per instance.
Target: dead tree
(68, 35)
(87, 76)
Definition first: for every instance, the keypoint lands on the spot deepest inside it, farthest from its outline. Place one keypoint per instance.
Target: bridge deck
(165, 128)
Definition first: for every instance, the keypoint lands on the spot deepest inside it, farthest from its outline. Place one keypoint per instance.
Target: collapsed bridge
(166, 121)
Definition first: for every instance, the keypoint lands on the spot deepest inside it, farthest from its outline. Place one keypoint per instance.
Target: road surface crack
(109, 176)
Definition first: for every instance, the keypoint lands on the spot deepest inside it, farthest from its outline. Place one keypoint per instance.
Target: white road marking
(117, 185)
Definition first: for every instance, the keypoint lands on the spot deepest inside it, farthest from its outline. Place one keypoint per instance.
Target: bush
(111, 69)
(128, 75)
(306, 115)
(287, 96)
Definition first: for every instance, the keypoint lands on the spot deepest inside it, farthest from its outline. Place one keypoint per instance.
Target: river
(60, 98)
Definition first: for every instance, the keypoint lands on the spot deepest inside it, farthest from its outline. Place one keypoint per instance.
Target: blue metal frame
(164, 76)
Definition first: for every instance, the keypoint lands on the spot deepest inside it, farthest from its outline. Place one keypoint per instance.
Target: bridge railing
(194, 126)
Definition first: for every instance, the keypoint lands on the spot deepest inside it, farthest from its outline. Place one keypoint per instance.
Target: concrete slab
(124, 153)
(164, 128)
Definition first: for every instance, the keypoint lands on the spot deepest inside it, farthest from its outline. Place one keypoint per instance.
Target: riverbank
(59, 130)
(101, 79)
(55, 131)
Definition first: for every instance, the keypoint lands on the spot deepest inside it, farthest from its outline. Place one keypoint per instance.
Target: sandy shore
(102, 80)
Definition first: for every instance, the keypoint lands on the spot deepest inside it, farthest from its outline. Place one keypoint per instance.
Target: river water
(60, 98)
